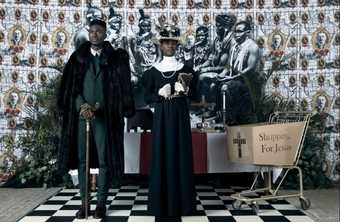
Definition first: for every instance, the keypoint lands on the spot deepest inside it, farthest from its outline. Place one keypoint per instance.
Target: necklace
(169, 76)
(172, 74)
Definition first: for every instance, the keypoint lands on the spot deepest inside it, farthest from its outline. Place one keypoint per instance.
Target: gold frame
(314, 40)
(54, 38)
(7, 97)
(23, 38)
(315, 99)
(283, 43)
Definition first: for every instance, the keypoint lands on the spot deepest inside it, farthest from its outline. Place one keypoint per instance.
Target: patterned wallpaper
(38, 36)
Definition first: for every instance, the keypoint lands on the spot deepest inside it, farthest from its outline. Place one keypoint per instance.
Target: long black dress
(171, 185)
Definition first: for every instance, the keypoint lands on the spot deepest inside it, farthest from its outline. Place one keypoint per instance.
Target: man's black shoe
(100, 211)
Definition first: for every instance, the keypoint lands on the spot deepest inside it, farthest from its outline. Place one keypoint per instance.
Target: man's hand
(165, 91)
(224, 76)
(208, 75)
(87, 111)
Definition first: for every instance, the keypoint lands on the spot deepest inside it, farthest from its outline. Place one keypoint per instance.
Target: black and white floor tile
(129, 204)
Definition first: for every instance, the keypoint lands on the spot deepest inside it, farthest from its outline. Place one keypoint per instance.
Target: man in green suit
(95, 86)
(87, 103)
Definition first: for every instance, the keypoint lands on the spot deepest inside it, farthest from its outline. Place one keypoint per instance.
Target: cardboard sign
(265, 144)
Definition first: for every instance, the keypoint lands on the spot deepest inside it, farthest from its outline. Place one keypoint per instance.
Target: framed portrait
(321, 39)
(13, 100)
(60, 38)
(17, 36)
(277, 41)
(321, 102)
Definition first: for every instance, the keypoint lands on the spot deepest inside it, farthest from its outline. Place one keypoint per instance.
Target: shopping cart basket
(252, 196)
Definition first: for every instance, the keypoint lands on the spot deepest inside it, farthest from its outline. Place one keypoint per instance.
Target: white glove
(165, 91)
(179, 87)
(134, 79)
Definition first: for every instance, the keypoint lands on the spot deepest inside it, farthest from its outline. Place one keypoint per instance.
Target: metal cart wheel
(305, 203)
(236, 204)
(255, 207)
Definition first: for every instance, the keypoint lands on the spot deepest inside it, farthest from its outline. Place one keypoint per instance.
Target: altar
(209, 154)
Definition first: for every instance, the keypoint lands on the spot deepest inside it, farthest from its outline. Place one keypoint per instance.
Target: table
(209, 154)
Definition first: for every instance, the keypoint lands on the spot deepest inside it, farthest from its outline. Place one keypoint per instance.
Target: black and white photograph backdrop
(291, 48)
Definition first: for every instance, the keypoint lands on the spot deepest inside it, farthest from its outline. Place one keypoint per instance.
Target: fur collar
(83, 53)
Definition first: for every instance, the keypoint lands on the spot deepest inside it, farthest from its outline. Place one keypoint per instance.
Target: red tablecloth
(199, 152)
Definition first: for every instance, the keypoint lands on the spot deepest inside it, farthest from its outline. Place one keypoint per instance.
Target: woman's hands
(165, 91)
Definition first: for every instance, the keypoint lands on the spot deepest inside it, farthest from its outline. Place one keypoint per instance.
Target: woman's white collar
(169, 64)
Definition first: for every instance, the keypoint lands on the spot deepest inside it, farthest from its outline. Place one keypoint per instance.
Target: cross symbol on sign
(239, 142)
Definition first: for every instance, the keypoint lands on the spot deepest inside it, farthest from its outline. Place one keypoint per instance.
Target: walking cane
(87, 167)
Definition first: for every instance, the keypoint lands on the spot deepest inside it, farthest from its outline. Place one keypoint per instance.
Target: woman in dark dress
(168, 85)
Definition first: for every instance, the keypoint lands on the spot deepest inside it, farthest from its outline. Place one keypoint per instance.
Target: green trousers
(98, 129)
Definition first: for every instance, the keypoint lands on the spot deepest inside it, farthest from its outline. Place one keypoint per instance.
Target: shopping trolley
(251, 196)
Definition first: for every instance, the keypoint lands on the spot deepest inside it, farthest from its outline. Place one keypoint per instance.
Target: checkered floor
(129, 204)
